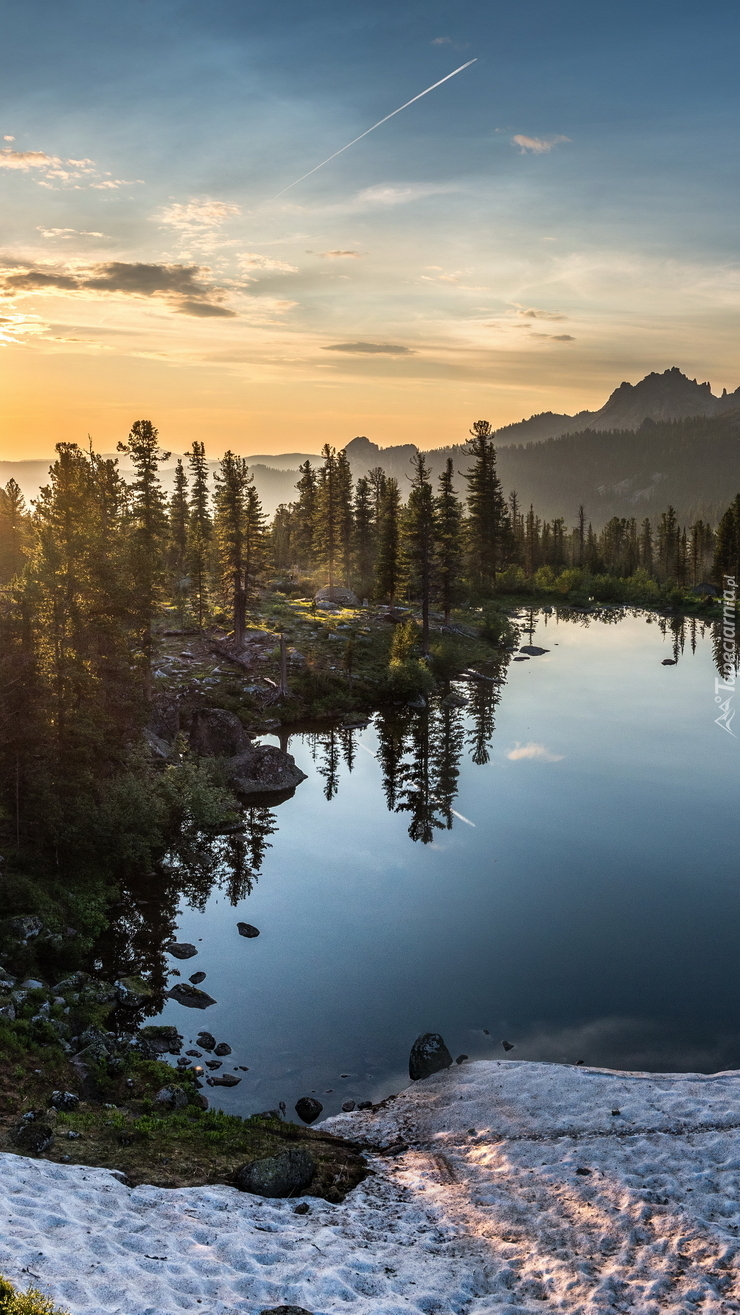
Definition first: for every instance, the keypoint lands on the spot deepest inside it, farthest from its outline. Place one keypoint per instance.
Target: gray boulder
(181, 950)
(246, 929)
(32, 1137)
(533, 650)
(429, 1054)
(64, 1100)
(285, 1174)
(217, 733)
(206, 1041)
(308, 1109)
(338, 595)
(264, 769)
(224, 1080)
(161, 1039)
(26, 927)
(171, 1098)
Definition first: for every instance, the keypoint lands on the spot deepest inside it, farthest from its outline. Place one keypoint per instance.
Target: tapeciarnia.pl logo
(724, 689)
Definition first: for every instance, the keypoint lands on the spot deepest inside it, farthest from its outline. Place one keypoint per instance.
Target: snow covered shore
(507, 1185)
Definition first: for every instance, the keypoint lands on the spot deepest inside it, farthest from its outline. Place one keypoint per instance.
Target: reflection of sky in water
(591, 912)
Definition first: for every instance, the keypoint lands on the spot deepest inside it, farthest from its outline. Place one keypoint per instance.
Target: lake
(583, 905)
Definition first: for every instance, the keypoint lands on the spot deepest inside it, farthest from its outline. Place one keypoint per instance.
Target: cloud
(196, 214)
(68, 232)
(537, 751)
(536, 145)
(26, 160)
(251, 260)
(442, 41)
(370, 348)
(336, 255)
(532, 314)
(555, 337)
(185, 287)
(6, 138)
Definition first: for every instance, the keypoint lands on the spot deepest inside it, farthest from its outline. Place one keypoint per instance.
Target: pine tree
(389, 570)
(149, 532)
(200, 530)
(364, 536)
(488, 523)
(646, 546)
(419, 540)
(329, 519)
(14, 530)
(727, 547)
(669, 540)
(345, 519)
(449, 564)
(232, 484)
(305, 516)
(179, 518)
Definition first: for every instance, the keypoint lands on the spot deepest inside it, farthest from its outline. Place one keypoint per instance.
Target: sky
(558, 217)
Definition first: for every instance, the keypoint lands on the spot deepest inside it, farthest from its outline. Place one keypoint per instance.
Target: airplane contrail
(376, 125)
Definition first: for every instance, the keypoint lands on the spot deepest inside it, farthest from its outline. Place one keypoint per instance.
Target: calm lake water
(583, 905)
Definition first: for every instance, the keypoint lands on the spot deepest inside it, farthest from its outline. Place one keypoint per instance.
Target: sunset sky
(558, 217)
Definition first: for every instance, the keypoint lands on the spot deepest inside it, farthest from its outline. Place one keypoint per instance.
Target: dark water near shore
(584, 904)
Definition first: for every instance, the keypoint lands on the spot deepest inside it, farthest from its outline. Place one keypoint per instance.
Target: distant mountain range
(664, 439)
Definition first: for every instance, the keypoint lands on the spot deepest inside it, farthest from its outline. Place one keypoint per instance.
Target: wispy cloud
(555, 337)
(442, 41)
(536, 751)
(187, 289)
(196, 215)
(337, 255)
(251, 260)
(68, 232)
(57, 171)
(537, 145)
(370, 348)
(531, 314)
(25, 160)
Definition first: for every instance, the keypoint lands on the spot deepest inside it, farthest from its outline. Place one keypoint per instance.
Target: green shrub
(31, 1302)
(496, 627)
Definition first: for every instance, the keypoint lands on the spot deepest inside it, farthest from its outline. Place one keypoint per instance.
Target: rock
(302, 1209)
(264, 769)
(32, 984)
(336, 594)
(32, 1137)
(200, 1100)
(191, 996)
(164, 718)
(181, 950)
(454, 701)
(364, 1104)
(171, 1098)
(225, 1080)
(246, 929)
(520, 659)
(26, 927)
(507, 1045)
(668, 662)
(533, 650)
(163, 1040)
(197, 977)
(222, 1049)
(289, 1310)
(217, 733)
(461, 1059)
(132, 990)
(284, 1174)
(7, 1010)
(206, 1041)
(195, 1054)
(348, 1106)
(64, 1100)
(429, 1054)
(214, 1064)
(308, 1109)
(418, 702)
(160, 748)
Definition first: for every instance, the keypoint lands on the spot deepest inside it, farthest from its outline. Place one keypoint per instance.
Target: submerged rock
(182, 950)
(191, 996)
(246, 929)
(308, 1109)
(284, 1174)
(197, 978)
(429, 1054)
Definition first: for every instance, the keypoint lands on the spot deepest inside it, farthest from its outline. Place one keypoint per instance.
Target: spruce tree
(727, 547)
(364, 535)
(179, 518)
(419, 540)
(389, 569)
(14, 530)
(345, 518)
(200, 530)
(232, 484)
(329, 519)
(488, 523)
(305, 517)
(149, 532)
(449, 563)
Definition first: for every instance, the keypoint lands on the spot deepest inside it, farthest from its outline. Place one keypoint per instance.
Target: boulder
(171, 1098)
(308, 1109)
(191, 996)
(288, 1310)
(264, 769)
(132, 990)
(668, 662)
(181, 950)
(246, 929)
(217, 733)
(533, 650)
(206, 1041)
(348, 1106)
(338, 595)
(31, 1136)
(429, 1054)
(197, 978)
(164, 718)
(64, 1100)
(222, 1049)
(285, 1174)
(224, 1080)
(26, 927)
(162, 1039)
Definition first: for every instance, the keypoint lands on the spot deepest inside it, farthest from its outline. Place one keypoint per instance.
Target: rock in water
(284, 1174)
(507, 1045)
(246, 929)
(192, 996)
(181, 950)
(226, 1080)
(533, 650)
(223, 1048)
(308, 1109)
(206, 1041)
(429, 1054)
(217, 733)
(197, 978)
(264, 769)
